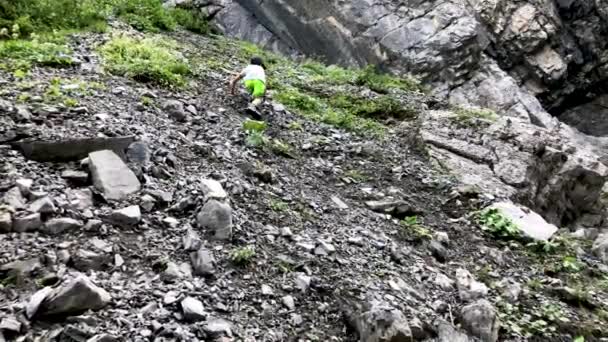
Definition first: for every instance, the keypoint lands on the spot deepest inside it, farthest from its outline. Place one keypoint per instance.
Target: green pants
(256, 88)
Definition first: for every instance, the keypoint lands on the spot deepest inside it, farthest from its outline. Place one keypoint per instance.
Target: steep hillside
(140, 203)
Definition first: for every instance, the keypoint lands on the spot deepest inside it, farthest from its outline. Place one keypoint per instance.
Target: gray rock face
(74, 297)
(480, 319)
(498, 55)
(217, 218)
(556, 176)
(60, 225)
(112, 176)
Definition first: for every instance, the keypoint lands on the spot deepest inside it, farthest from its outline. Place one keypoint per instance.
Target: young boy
(254, 77)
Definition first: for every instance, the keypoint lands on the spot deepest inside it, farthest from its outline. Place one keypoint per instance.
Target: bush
(145, 15)
(190, 21)
(383, 83)
(147, 60)
(493, 221)
(381, 107)
(22, 54)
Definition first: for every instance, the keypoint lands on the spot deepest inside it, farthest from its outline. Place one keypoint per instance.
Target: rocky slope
(147, 213)
(502, 55)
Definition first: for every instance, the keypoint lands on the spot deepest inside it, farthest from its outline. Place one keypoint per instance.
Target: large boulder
(112, 176)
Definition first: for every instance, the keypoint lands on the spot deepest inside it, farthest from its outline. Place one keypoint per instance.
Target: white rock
(530, 223)
(289, 302)
(60, 225)
(213, 189)
(42, 205)
(469, 289)
(267, 290)
(193, 309)
(125, 217)
(112, 176)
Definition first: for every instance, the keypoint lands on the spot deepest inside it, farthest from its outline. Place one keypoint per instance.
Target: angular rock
(175, 110)
(10, 324)
(600, 248)
(438, 250)
(24, 185)
(33, 305)
(289, 302)
(42, 205)
(6, 221)
(203, 262)
(103, 338)
(147, 202)
(481, 320)
(80, 199)
(85, 260)
(14, 198)
(193, 309)
(71, 149)
(378, 322)
(447, 333)
(469, 289)
(217, 328)
(393, 207)
(191, 241)
(530, 223)
(27, 223)
(444, 282)
(213, 189)
(74, 297)
(126, 217)
(112, 176)
(217, 218)
(60, 225)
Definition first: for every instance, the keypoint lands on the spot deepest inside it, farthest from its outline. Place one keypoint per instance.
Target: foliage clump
(145, 60)
(243, 256)
(494, 222)
(23, 54)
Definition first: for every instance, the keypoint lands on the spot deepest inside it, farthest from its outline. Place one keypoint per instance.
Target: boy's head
(257, 61)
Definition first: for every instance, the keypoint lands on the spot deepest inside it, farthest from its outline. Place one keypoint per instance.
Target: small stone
(170, 297)
(481, 320)
(203, 262)
(85, 260)
(14, 198)
(339, 202)
(286, 232)
(469, 289)
(303, 282)
(93, 225)
(27, 223)
(438, 251)
(191, 241)
(172, 273)
(444, 282)
(101, 245)
(126, 217)
(10, 324)
(193, 309)
(267, 290)
(443, 238)
(118, 260)
(147, 202)
(23, 113)
(171, 222)
(63, 256)
(60, 225)
(42, 205)
(218, 328)
(24, 185)
(103, 338)
(80, 199)
(324, 248)
(289, 302)
(356, 240)
(309, 247)
(175, 110)
(212, 189)
(6, 222)
(296, 319)
(216, 217)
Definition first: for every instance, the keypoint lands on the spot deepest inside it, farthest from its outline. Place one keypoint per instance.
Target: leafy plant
(572, 264)
(70, 102)
(412, 226)
(255, 133)
(254, 126)
(243, 256)
(494, 222)
(282, 148)
(21, 55)
(146, 60)
(383, 83)
(278, 205)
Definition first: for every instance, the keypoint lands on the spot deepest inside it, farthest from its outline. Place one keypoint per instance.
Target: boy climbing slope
(254, 79)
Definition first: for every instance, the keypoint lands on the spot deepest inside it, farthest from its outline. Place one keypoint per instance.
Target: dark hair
(258, 61)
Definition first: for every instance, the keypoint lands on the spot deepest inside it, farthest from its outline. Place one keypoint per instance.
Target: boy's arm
(234, 80)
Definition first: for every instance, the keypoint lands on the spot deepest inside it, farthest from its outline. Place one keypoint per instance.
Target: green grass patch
(383, 83)
(412, 227)
(145, 15)
(20, 55)
(467, 115)
(146, 60)
(382, 107)
(190, 21)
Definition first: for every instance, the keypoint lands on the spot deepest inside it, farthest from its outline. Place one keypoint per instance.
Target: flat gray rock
(27, 223)
(74, 297)
(128, 216)
(60, 225)
(112, 176)
(530, 223)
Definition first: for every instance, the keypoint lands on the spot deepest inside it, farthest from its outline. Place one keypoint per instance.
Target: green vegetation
(412, 227)
(278, 205)
(255, 133)
(383, 83)
(282, 148)
(468, 114)
(243, 256)
(494, 222)
(525, 321)
(20, 55)
(21, 18)
(146, 60)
